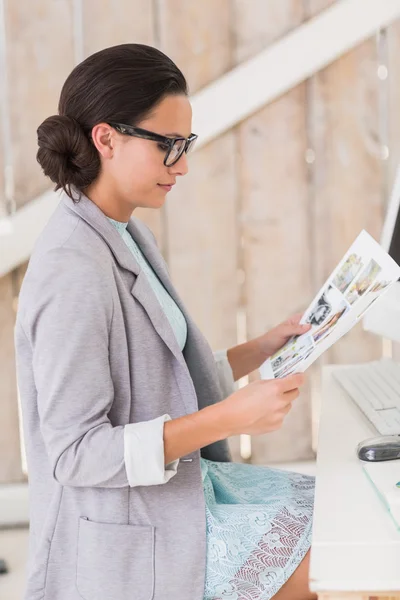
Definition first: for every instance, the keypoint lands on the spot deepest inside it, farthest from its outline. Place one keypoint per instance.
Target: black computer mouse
(384, 447)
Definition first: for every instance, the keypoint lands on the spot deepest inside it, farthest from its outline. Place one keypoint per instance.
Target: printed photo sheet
(365, 273)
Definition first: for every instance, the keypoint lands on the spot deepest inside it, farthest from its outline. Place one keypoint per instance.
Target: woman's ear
(103, 139)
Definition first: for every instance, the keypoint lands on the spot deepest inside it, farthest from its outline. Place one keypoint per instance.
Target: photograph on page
(364, 274)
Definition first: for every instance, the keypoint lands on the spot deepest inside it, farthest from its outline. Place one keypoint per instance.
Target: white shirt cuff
(225, 375)
(144, 453)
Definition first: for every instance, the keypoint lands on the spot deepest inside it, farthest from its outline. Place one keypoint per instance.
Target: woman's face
(133, 169)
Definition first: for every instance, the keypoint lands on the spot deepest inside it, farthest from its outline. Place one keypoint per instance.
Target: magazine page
(364, 274)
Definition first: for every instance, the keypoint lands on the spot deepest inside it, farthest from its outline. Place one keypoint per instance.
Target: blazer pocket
(115, 562)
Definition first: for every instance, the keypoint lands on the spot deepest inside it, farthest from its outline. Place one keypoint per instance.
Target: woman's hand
(248, 357)
(261, 406)
(277, 337)
(255, 409)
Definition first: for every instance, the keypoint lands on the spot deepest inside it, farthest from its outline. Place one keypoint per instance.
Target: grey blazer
(95, 352)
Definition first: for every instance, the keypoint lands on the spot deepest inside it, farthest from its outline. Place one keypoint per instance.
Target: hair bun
(66, 154)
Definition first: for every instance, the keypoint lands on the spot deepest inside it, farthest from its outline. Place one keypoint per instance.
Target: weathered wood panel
(201, 211)
(313, 7)
(197, 36)
(251, 227)
(2, 156)
(393, 96)
(107, 23)
(274, 212)
(392, 89)
(40, 54)
(345, 179)
(348, 172)
(258, 24)
(202, 241)
(10, 455)
(10, 463)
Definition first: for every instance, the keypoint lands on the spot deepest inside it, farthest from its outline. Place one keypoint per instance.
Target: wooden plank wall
(345, 136)
(274, 211)
(105, 24)
(39, 54)
(392, 60)
(253, 229)
(2, 157)
(10, 455)
(392, 85)
(346, 177)
(10, 464)
(201, 212)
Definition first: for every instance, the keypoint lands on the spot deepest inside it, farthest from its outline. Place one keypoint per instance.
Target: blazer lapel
(141, 289)
(91, 213)
(152, 253)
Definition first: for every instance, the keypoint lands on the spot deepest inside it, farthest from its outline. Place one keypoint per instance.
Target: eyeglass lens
(178, 149)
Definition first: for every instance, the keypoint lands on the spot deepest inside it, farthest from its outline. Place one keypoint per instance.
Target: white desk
(356, 547)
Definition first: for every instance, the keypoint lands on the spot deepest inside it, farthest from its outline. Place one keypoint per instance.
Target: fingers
(292, 382)
(280, 416)
(295, 319)
(288, 397)
(287, 408)
(294, 322)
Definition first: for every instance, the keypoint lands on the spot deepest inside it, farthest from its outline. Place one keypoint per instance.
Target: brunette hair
(121, 84)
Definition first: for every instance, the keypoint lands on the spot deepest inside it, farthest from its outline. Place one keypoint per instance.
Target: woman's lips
(167, 187)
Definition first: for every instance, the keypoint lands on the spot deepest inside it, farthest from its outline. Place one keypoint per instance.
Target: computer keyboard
(375, 389)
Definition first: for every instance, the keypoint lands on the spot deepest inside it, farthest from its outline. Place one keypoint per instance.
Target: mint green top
(258, 519)
(169, 306)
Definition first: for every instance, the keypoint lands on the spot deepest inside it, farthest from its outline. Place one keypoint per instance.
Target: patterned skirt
(258, 528)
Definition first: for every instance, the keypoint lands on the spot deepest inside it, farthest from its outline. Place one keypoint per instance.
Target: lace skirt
(258, 528)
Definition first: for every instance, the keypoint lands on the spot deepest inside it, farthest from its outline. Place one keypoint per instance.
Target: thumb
(299, 329)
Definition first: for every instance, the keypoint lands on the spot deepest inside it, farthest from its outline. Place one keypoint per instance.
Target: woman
(119, 389)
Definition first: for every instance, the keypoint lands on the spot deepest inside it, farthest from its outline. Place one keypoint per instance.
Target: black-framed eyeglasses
(174, 147)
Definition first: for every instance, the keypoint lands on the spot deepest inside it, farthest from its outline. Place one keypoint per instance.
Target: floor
(13, 540)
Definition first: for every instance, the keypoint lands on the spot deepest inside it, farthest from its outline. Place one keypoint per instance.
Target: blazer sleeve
(225, 375)
(67, 322)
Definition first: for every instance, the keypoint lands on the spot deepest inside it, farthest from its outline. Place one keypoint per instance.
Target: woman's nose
(181, 167)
